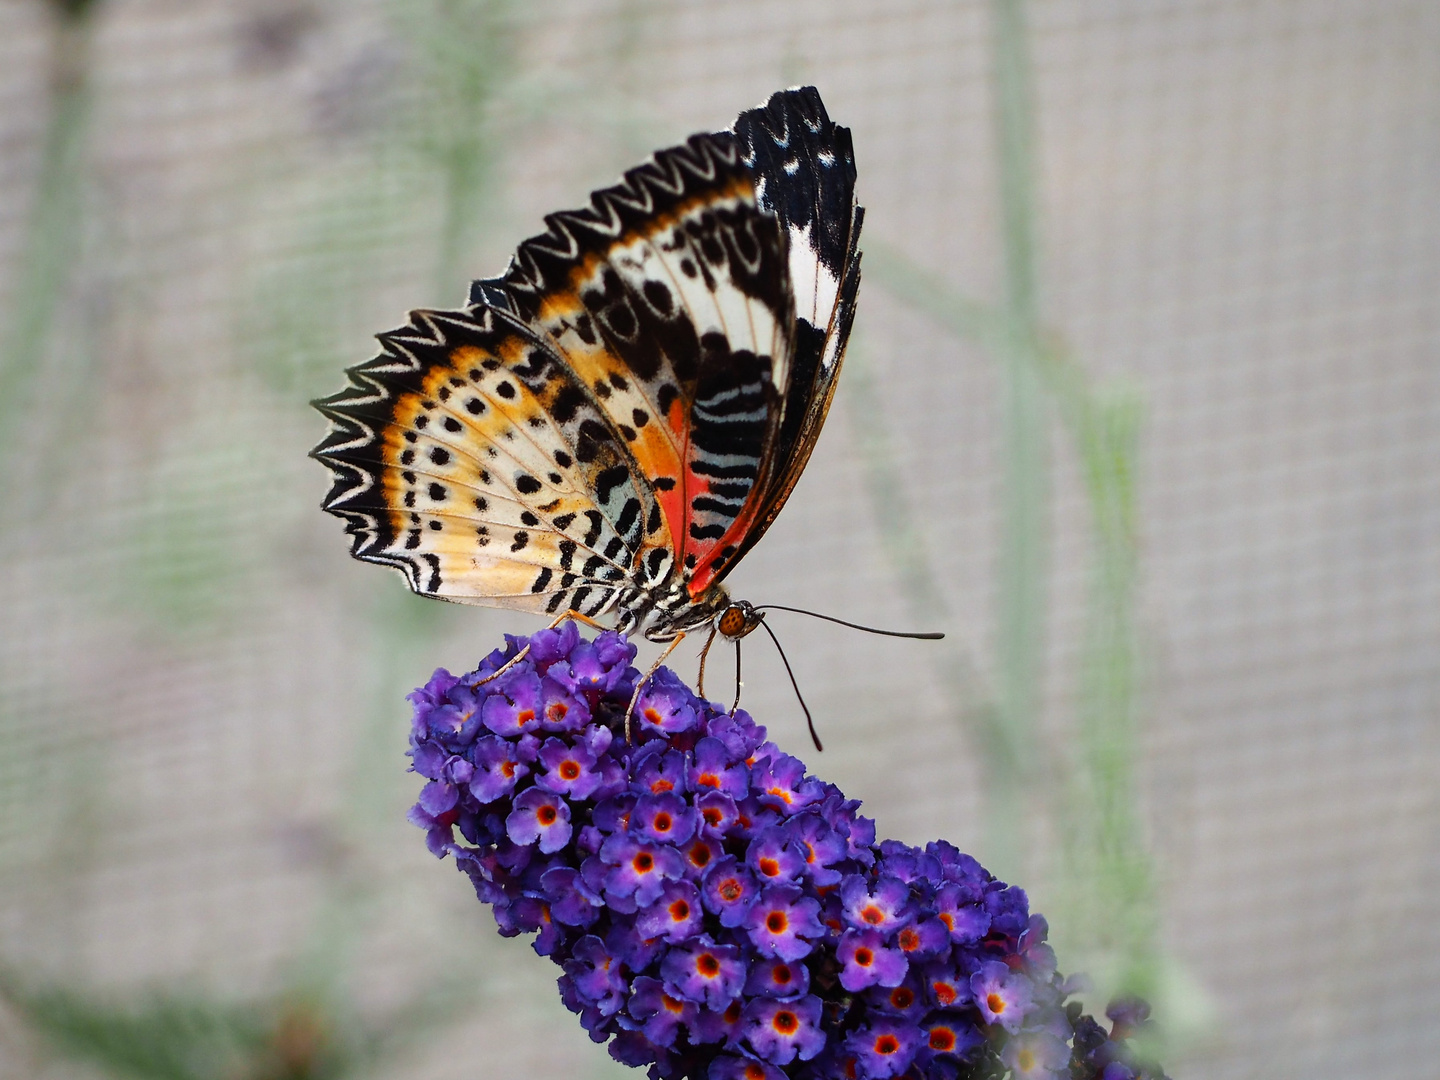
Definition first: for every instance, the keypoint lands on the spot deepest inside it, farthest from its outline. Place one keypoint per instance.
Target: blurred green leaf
(167, 1037)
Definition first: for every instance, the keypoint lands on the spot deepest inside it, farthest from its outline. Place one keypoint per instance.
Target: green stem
(53, 232)
(1112, 856)
(1024, 550)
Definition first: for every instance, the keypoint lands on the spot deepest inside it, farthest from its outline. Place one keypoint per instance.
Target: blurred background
(1142, 408)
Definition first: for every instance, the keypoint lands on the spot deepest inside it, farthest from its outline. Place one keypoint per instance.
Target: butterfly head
(738, 619)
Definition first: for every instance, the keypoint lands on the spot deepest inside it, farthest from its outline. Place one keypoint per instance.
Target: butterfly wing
(805, 169)
(669, 297)
(616, 419)
(467, 456)
(598, 416)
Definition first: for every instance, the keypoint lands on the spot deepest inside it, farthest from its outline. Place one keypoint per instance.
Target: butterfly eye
(733, 623)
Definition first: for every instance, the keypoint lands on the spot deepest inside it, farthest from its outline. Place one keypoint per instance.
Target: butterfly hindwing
(467, 456)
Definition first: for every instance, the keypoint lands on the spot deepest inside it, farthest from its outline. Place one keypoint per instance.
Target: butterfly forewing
(669, 297)
(806, 169)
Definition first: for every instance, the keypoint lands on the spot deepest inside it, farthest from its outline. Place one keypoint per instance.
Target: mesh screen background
(200, 759)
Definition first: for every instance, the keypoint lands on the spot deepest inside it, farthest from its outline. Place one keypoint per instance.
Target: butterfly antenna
(800, 697)
(929, 635)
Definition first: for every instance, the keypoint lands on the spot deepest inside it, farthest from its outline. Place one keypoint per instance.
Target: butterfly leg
(586, 619)
(639, 686)
(705, 652)
(738, 683)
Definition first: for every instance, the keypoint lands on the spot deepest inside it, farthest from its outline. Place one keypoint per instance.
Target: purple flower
(948, 1036)
(548, 646)
(437, 797)
(572, 901)
(675, 916)
(772, 858)
(820, 847)
(944, 987)
(445, 710)
(661, 1013)
(718, 913)
(868, 962)
(923, 940)
(782, 785)
(904, 999)
(1036, 1055)
(886, 907)
(666, 706)
(701, 853)
(780, 1031)
(721, 1027)
(599, 667)
(497, 769)
(595, 973)
(705, 973)
(730, 891)
(665, 819)
(516, 704)
(784, 922)
(654, 771)
(562, 711)
(1002, 995)
(540, 815)
(777, 978)
(714, 768)
(885, 1047)
(569, 769)
(966, 920)
(727, 1067)
(640, 868)
(718, 813)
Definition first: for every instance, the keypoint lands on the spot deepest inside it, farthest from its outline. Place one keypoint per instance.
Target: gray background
(201, 728)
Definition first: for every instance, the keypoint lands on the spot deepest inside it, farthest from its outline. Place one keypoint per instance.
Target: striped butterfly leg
(639, 686)
(704, 655)
(578, 617)
(738, 683)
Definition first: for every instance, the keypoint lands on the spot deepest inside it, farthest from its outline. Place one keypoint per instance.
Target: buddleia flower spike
(716, 911)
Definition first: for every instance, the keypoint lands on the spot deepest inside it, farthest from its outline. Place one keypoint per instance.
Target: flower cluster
(717, 912)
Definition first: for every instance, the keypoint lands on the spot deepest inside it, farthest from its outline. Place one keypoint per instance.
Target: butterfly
(610, 425)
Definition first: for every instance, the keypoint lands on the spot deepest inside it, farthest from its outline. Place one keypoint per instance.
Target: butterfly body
(610, 425)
